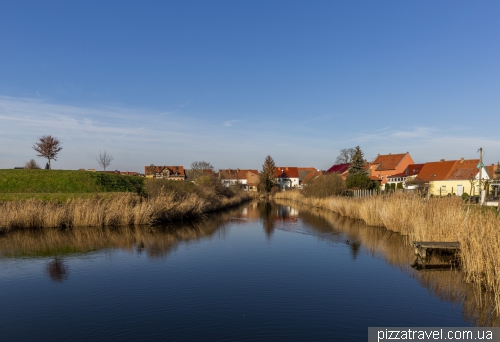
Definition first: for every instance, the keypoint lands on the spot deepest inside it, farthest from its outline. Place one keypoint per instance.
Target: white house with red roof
(248, 179)
(287, 176)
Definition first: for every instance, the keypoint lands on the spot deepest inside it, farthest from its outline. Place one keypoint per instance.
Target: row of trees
(49, 147)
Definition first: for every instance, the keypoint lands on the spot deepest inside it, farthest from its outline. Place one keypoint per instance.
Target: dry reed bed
(126, 209)
(435, 219)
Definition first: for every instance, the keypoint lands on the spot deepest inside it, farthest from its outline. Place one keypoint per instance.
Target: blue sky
(230, 82)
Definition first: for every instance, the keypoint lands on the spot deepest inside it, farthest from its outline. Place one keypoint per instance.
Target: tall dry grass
(435, 219)
(125, 209)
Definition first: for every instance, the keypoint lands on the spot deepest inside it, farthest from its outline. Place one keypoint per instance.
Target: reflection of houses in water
(288, 217)
(250, 213)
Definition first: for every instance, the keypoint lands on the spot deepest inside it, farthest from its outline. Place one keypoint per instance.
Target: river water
(262, 271)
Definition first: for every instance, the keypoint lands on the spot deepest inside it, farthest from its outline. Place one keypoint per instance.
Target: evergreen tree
(357, 164)
(358, 175)
(267, 176)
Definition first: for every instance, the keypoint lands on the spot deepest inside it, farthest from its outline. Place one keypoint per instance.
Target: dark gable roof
(339, 168)
(411, 170)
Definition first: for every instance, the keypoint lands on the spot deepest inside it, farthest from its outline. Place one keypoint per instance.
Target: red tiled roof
(311, 175)
(388, 161)
(286, 172)
(339, 168)
(236, 173)
(411, 170)
(436, 170)
(491, 171)
(464, 169)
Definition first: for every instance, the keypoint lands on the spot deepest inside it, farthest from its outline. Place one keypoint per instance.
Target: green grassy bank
(61, 181)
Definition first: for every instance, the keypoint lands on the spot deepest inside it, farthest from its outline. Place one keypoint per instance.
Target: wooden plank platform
(422, 246)
(437, 245)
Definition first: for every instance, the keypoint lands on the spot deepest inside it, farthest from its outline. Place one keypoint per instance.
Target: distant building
(287, 177)
(165, 172)
(247, 179)
(342, 169)
(411, 172)
(388, 165)
(453, 177)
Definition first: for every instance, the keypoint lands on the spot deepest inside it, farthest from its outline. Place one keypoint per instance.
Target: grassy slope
(59, 181)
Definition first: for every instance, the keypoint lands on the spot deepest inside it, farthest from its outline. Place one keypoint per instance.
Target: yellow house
(453, 177)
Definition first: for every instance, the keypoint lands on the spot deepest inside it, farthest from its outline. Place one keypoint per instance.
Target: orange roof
(236, 173)
(491, 171)
(306, 169)
(411, 170)
(436, 170)
(388, 161)
(286, 172)
(311, 175)
(464, 169)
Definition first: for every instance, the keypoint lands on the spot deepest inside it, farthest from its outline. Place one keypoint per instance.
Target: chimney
(442, 160)
(462, 160)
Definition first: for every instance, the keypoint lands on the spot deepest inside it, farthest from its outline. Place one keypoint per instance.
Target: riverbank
(435, 219)
(120, 209)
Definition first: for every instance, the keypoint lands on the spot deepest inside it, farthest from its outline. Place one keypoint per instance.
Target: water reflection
(450, 285)
(56, 245)
(57, 270)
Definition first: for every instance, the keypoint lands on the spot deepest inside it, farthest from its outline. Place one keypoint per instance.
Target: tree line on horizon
(49, 147)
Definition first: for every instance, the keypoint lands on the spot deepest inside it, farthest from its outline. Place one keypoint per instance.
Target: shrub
(465, 196)
(325, 186)
(400, 185)
(359, 181)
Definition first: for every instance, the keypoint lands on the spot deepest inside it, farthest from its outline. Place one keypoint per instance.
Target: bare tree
(201, 166)
(198, 168)
(32, 165)
(345, 155)
(48, 147)
(104, 159)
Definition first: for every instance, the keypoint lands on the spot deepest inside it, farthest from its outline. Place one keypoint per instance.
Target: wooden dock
(421, 248)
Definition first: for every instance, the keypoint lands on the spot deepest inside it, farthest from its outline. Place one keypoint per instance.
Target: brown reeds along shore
(434, 219)
(121, 209)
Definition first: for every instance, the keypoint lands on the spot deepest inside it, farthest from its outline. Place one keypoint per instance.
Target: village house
(342, 169)
(410, 173)
(387, 165)
(463, 177)
(287, 177)
(310, 177)
(453, 177)
(165, 172)
(248, 179)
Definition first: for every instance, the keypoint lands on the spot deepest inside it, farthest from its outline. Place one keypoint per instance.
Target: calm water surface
(260, 272)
